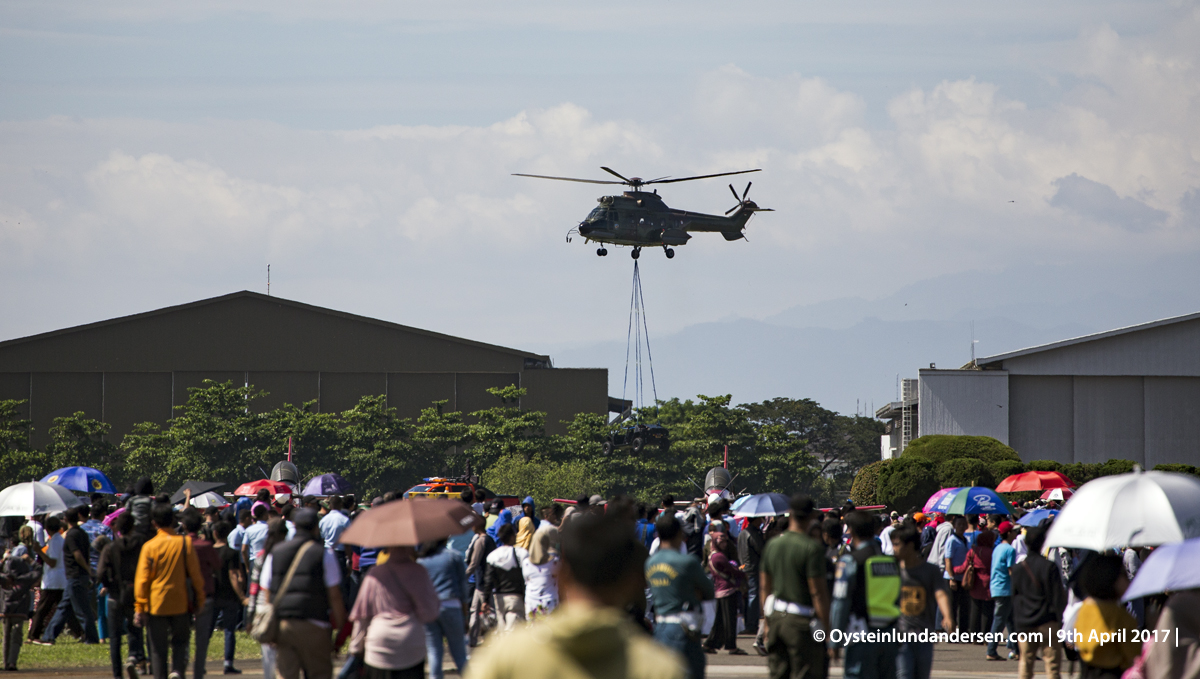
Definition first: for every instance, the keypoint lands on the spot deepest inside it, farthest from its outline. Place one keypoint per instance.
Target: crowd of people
(595, 588)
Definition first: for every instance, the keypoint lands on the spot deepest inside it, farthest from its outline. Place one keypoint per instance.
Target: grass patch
(67, 652)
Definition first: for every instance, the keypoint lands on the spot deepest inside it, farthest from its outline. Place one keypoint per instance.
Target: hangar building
(1131, 393)
(137, 368)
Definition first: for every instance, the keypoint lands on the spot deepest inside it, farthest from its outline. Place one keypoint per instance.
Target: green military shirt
(674, 579)
(791, 559)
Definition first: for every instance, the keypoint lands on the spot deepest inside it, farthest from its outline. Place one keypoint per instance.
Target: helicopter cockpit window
(596, 215)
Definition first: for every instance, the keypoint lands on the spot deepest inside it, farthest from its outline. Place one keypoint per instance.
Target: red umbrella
(1060, 494)
(409, 522)
(1034, 481)
(252, 488)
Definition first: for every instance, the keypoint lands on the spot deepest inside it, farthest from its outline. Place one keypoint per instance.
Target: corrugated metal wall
(964, 402)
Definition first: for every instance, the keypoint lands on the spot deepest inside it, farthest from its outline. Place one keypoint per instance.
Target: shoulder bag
(265, 627)
(968, 580)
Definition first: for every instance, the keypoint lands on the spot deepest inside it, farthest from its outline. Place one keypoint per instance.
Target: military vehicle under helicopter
(640, 218)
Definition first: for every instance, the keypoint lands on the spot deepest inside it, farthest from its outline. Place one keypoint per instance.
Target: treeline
(930, 463)
(779, 445)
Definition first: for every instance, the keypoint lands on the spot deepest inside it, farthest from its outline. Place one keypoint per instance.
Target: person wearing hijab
(504, 519)
(528, 523)
(540, 569)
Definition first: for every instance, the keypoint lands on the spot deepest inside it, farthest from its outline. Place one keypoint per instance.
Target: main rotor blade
(703, 176)
(614, 173)
(735, 197)
(747, 191)
(566, 179)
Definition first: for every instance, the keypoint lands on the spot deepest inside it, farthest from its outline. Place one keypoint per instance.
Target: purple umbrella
(328, 484)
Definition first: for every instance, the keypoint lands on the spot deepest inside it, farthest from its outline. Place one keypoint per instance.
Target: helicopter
(640, 218)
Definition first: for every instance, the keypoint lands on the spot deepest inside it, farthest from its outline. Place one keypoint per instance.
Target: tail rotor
(742, 203)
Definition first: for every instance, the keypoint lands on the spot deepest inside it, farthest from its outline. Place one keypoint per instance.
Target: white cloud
(958, 175)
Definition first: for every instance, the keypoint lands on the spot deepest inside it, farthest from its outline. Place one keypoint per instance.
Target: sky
(158, 153)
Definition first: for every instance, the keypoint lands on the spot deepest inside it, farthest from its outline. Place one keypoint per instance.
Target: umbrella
(1034, 481)
(972, 500)
(1169, 568)
(197, 488)
(251, 489)
(35, 497)
(1037, 516)
(763, 504)
(1060, 494)
(933, 499)
(1129, 510)
(409, 522)
(328, 484)
(209, 499)
(82, 479)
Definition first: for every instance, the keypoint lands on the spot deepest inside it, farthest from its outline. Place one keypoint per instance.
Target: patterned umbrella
(82, 479)
(972, 500)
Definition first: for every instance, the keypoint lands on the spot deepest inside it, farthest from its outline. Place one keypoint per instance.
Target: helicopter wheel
(637, 252)
(670, 253)
(601, 252)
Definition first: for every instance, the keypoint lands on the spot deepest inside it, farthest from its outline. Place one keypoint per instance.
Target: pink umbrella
(108, 520)
(933, 499)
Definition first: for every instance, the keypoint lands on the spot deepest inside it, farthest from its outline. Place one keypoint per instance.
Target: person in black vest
(311, 609)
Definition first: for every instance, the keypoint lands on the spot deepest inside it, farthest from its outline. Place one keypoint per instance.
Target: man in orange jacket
(163, 603)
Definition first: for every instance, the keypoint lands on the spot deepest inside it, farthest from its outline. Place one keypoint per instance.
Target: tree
(79, 441)
(841, 445)
(437, 438)
(865, 491)
(942, 447)
(964, 472)
(213, 437)
(542, 478)
(17, 459)
(506, 429)
(372, 450)
(907, 482)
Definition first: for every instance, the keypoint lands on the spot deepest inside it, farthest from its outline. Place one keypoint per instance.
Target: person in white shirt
(54, 583)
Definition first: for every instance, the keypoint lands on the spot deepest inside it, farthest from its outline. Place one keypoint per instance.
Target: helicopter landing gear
(637, 252)
(670, 252)
(601, 252)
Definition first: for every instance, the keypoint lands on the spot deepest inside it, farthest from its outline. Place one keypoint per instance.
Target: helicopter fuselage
(641, 218)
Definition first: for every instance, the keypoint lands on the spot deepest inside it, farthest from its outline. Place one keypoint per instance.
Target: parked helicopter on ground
(639, 218)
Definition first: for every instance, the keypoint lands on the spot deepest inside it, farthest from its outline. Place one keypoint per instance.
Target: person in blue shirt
(1000, 583)
(955, 556)
(645, 527)
(448, 572)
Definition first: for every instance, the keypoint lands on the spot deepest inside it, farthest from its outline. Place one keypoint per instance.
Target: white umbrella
(35, 497)
(209, 499)
(1129, 510)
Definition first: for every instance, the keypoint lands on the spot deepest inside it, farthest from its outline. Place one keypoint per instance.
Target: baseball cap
(919, 517)
(1004, 527)
(595, 500)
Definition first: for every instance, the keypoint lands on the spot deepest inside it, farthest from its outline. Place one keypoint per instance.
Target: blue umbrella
(763, 504)
(1037, 516)
(328, 484)
(82, 479)
(1169, 568)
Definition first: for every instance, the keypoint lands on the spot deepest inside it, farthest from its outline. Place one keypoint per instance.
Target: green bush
(866, 484)
(941, 447)
(1005, 468)
(1177, 468)
(1114, 467)
(964, 472)
(1044, 466)
(1082, 472)
(906, 483)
